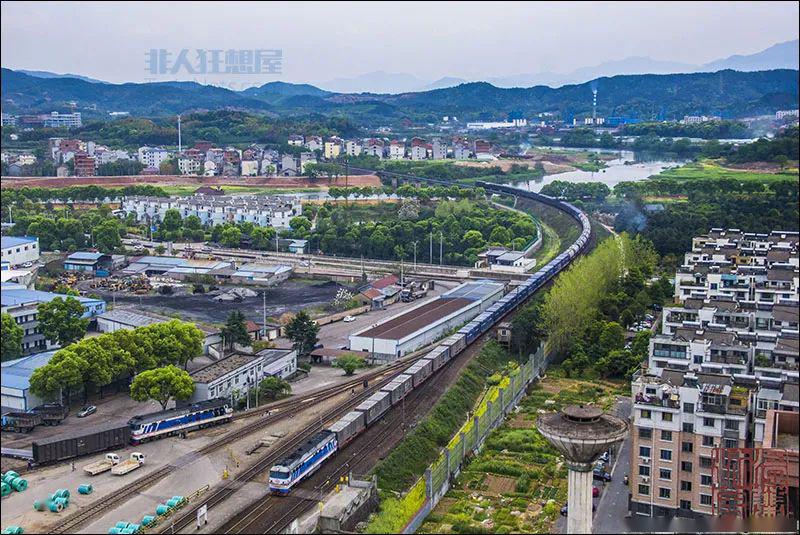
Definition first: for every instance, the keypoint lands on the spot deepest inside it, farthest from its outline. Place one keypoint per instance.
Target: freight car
(62, 447)
(308, 458)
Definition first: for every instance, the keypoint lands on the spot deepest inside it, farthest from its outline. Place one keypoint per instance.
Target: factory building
(17, 250)
(236, 374)
(15, 379)
(425, 323)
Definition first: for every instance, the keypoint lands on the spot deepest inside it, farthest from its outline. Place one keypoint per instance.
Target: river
(615, 172)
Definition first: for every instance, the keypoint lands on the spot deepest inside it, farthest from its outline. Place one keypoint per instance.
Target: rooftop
(415, 319)
(474, 291)
(15, 294)
(234, 362)
(16, 373)
(13, 241)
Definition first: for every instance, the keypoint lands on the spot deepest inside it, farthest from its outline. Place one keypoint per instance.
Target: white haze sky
(326, 40)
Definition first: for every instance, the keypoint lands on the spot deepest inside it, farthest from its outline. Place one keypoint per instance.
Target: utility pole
(276, 241)
(430, 258)
(415, 257)
(180, 146)
(401, 271)
(264, 313)
(441, 246)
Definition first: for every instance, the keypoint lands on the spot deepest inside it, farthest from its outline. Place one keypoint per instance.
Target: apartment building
(439, 149)
(153, 156)
(352, 148)
(727, 354)
(215, 210)
(397, 150)
(419, 149)
(62, 120)
(296, 140)
(332, 148)
(314, 143)
(84, 164)
(374, 147)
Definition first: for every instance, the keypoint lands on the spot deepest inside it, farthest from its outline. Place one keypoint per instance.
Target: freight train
(310, 455)
(139, 429)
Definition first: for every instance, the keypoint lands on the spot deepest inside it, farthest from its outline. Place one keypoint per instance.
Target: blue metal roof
(82, 255)
(13, 294)
(13, 241)
(17, 373)
(475, 291)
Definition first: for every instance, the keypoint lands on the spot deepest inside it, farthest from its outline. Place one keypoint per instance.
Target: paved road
(613, 506)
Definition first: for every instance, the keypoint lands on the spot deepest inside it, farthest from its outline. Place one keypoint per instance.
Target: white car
(348, 319)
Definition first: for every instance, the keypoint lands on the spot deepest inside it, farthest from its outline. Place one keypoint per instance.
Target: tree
(64, 373)
(172, 220)
(261, 237)
(12, 338)
(106, 236)
(168, 167)
(300, 223)
(274, 388)
(231, 237)
(349, 363)
(61, 320)
(302, 331)
(162, 385)
(235, 330)
(159, 249)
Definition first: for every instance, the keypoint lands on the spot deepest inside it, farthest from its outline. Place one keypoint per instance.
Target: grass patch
(711, 170)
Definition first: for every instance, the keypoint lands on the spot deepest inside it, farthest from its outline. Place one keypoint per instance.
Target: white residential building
(190, 166)
(295, 140)
(240, 372)
(374, 147)
(786, 113)
(461, 152)
(397, 150)
(352, 148)
(439, 150)
(62, 120)
(260, 210)
(153, 156)
(249, 167)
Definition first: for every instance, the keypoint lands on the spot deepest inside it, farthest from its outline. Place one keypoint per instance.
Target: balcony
(669, 402)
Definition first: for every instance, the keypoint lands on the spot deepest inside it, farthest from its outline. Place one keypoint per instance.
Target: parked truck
(111, 460)
(20, 422)
(51, 413)
(136, 460)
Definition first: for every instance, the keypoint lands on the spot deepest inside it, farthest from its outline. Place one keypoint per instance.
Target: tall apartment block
(725, 361)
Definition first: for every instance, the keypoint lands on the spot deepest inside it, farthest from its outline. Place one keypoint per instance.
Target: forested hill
(727, 93)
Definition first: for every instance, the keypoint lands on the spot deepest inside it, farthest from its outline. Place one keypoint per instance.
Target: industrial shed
(425, 323)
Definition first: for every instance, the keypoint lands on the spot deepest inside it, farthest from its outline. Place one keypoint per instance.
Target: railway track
(265, 415)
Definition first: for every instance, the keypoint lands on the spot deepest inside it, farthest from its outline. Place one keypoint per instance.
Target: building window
(664, 492)
(644, 489)
(646, 414)
(665, 473)
(705, 462)
(705, 499)
(686, 466)
(686, 485)
(708, 422)
(666, 455)
(688, 408)
(666, 436)
(705, 480)
(688, 428)
(686, 505)
(645, 432)
(731, 443)
(644, 470)
(644, 451)
(732, 425)
(708, 441)
(666, 416)
(687, 447)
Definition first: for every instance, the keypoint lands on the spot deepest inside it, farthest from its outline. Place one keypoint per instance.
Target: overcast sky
(322, 41)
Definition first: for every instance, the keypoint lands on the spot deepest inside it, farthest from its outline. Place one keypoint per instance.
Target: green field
(708, 169)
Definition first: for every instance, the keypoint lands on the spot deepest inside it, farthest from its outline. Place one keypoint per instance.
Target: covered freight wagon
(63, 447)
(399, 387)
(456, 343)
(420, 371)
(438, 357)
(347, 427)
(375, 406)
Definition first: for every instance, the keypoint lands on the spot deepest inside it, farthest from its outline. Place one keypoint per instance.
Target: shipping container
(347, 427)
(399, 387)
(375, 406)
(63, 447)
(457, 343)
(420, 371)
(437, 357)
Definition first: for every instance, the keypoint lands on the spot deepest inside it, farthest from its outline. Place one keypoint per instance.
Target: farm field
(518, 483)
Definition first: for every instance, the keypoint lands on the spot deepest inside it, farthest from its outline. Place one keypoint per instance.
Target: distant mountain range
(727, 93)
(779, 56)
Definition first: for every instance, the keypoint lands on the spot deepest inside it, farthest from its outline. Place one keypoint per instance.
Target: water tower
(581, 434)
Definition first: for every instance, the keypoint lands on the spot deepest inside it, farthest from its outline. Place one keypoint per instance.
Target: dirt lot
(500, 484)
(289, 296)
(177, 180)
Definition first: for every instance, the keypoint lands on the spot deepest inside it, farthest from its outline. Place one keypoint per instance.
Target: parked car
(601, 474)
(86, 411)
(348, 319)
(564, 509)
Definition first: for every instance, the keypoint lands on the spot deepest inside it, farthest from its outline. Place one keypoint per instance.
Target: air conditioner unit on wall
(646, 479)
(645, 460)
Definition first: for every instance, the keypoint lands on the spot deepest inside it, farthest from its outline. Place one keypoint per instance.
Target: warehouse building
(174, 267)
(241, 371)
(96, 263)
(18, 250)
(425, 323)
(15, 377)
(123, 318)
